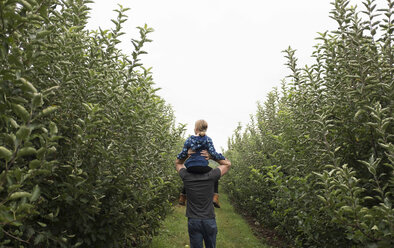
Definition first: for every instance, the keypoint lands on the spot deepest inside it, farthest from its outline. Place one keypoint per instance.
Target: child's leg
(216, 194)
(184, 190)
(182, 197)
(216, 187)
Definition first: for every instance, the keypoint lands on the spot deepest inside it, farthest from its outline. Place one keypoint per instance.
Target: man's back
(199, 191)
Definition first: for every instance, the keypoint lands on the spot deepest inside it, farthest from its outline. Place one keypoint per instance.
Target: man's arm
(179, 164)
(224, 165)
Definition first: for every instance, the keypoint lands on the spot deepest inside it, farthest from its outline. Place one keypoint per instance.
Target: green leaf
(26, 151)
(21, 112)
(50, 90)
(23, 132)
(19, 194)
(52, 128)
(34, 164)
(14, 123)
(27, 86)
(5, 153)
(37, 100)
(49, 110)
(78, 244)
(367, 198)
(35, 194)
(25, 4)
(41, 152)
(322, 198)
(347, 209)
(41, 224)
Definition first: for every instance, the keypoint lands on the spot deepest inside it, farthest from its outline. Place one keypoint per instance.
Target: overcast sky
(216, 59)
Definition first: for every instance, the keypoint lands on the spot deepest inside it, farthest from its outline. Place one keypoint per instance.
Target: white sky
(216, 59)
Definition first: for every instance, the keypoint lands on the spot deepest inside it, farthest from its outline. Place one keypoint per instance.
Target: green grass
(233, 230)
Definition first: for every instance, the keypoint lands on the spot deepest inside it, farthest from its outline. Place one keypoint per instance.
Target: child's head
(201, 127)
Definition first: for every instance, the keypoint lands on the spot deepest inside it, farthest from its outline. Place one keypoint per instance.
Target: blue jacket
(197, 144)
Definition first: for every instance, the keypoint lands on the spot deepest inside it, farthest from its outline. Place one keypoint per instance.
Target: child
(196, 163)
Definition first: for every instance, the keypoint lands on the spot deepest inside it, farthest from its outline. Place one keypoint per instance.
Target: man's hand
(190, 152)
(225, 162)
(203, 153)
(206, 154)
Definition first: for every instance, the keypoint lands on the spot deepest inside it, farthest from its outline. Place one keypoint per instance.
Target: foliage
(86, 144)
(316, 161)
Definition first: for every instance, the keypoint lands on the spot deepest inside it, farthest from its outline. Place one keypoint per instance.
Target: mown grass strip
(233, 230)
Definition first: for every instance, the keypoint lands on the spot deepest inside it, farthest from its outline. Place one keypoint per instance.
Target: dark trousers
(202, 230)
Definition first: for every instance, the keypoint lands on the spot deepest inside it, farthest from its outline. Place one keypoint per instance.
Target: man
(200, 210)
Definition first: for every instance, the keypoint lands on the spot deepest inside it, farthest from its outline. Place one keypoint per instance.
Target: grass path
(233, 230)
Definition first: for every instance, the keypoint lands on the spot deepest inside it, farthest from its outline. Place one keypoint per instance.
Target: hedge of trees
(86, 144)
(316, 160)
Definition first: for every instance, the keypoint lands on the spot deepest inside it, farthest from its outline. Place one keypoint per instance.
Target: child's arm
(211, 149)
(183, 154)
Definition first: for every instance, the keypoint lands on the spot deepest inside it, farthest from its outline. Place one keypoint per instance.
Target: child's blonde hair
(201, 127)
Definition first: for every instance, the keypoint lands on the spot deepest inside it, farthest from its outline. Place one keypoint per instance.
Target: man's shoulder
(215, 173)
(217, 170)
(182, 172)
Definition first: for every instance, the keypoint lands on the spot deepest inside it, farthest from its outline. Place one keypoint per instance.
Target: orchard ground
(234, 230)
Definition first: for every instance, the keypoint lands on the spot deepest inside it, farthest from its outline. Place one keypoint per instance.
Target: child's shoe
(216, 200)
(182, 199)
